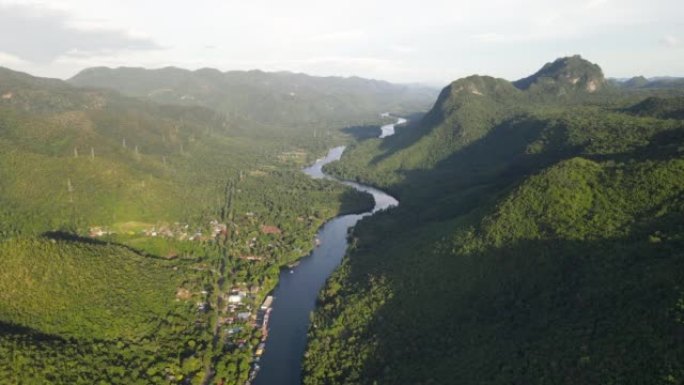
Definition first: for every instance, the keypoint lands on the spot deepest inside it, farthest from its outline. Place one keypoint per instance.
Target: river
(297, 290)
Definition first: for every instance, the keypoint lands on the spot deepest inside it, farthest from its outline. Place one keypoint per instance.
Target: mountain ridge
(279, 99)
(566, 73)
(537, 235)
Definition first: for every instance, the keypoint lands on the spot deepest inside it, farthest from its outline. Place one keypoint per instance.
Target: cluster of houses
(98, 231)
(177, 231)
(182, 232)
(239, 314)
(263, 317)
(237, 311)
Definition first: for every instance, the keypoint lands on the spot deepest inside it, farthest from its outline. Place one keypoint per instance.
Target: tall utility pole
(70, 189)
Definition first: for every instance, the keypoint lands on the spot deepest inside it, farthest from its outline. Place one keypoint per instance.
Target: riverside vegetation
(540, 240)
(126, 223)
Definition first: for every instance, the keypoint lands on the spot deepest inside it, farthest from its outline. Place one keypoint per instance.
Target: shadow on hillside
(404, 136)
(551, 311)
(661, 146)
(418, 125)
(567, 311)
(362, 133)
(10, 329)
(355, 202)
(493, 165)
(71, 237)
(478, 172)
(75, 238)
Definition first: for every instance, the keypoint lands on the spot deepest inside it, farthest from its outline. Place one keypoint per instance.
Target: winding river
(297, 290)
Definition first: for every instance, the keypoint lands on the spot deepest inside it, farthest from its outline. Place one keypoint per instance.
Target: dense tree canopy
(539, 240)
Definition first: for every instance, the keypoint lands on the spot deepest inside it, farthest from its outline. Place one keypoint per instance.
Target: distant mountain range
(641, 82)
(277, 99)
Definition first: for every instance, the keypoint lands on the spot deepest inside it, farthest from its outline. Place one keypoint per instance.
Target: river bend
(298, 288)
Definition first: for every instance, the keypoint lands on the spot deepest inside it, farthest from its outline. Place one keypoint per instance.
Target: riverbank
(297, 290)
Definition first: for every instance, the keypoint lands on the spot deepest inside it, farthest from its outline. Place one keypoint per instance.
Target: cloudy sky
(430, 41)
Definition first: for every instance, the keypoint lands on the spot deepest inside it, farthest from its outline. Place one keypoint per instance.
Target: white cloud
(41, 35)
(593, 4)
(400, 40)
(339, 36)
(7, 60)
(402, 49)
(670, 41)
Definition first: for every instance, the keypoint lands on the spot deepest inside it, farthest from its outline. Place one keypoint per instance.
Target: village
(183, 231)
(240, 313)
(242, 319)
(177, 231)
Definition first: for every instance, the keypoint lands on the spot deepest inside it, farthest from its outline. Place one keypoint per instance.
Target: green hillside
(538, 240)
(278, 99)
(640, 82)
(666, 108)
(564, 75)
(124, 224)
(49, 276)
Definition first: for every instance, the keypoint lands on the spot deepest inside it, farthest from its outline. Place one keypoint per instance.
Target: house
(97, 231)
(244, 316)
(225, 320)
(218, 228)
(266, 229)
(234, 298)
(260, 349)
(267, 302)
(183, 293)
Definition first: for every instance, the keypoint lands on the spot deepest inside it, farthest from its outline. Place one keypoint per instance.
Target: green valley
(138, 239)
(341, 193)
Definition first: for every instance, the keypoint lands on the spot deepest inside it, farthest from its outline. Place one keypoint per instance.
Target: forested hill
(640, 82)
(115, 157)
(569, 72)
(540, 240)
(125, 224)
(280, 99)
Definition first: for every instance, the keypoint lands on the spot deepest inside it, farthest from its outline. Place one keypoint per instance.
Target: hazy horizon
(431, 43)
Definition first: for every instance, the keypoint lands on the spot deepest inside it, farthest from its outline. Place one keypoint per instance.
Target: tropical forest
(226, 193)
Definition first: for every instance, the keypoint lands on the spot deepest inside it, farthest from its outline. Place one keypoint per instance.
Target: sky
(427, 41)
